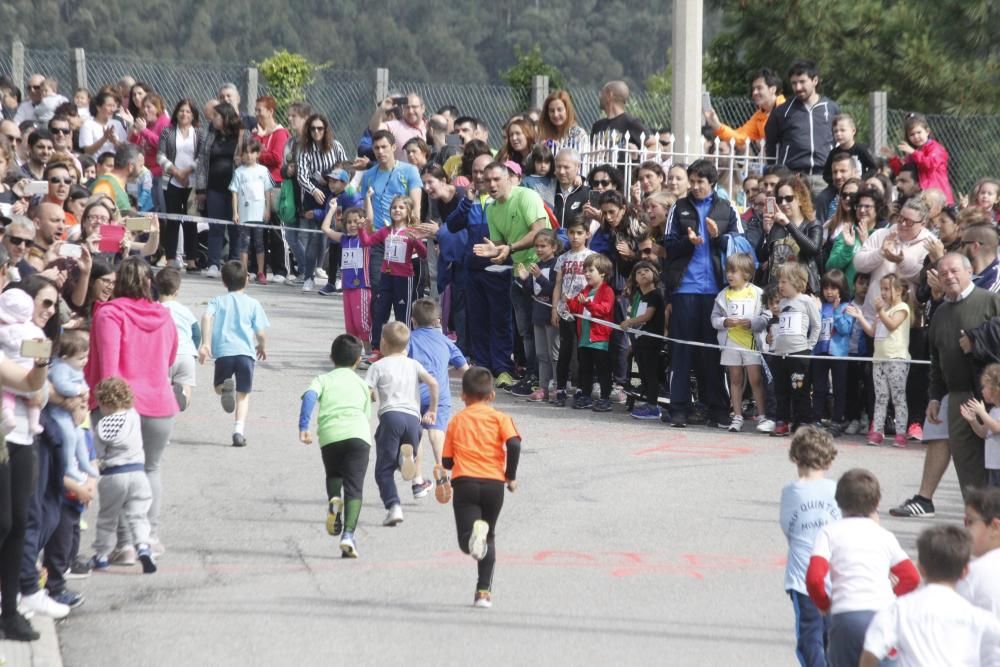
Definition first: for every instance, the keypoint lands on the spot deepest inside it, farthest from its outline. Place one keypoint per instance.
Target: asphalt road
(627, 542)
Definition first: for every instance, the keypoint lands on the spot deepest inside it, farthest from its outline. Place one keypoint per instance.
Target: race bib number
(826, 330)
(395, 250)
(353, 258)
(741, 308)
(790, 324)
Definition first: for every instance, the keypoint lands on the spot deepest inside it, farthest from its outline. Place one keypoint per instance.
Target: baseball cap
(514, 167)
(338, 175)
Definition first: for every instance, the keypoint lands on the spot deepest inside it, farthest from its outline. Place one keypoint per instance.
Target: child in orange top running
(481, 448)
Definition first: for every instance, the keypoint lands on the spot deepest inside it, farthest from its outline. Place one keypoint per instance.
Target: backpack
(287, 209)
(737, 244)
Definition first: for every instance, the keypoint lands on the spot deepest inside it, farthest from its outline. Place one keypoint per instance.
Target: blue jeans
(220, 205)
(811, 628)
(522, 319)
(691, 320)
(306, 246)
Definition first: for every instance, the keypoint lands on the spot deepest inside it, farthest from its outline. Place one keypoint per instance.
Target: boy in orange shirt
(481, 448)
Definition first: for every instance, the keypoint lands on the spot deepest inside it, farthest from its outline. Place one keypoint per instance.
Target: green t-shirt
(345, 402)
(511, 220)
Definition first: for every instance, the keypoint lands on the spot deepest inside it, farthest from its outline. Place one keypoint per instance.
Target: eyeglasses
(785, 200)
(317, 128)
(55, 180)
(60, 130)
(600, 183)
(17, 240)
(865, 207)
(903, 220)
(103, 219)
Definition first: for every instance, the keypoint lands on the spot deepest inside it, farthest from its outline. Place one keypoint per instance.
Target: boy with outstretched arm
(233, 333)
(344, 435)
(394, 380)
(481, 448)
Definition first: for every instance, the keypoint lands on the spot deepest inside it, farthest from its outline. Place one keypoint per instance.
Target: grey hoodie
(118, 439)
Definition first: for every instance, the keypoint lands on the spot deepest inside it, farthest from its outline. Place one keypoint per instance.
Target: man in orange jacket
(764, 87)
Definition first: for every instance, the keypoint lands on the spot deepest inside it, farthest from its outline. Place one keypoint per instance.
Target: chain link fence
(346, 98)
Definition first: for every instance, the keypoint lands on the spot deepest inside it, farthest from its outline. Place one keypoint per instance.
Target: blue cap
(338, 175)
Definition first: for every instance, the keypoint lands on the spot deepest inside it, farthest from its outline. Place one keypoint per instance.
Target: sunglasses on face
(785, 200)
(17, 240)
(600, 183)
(317, 128)
(848, 197)
(55, 180)
(60, 130)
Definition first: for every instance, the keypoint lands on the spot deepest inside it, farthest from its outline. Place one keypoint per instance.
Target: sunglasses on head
(787, 199)
(55, 180)
(17, 240)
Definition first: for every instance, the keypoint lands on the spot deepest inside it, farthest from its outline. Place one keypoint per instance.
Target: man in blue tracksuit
(697, 233)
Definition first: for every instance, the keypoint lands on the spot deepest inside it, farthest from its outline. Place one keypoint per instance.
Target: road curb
(42, 653)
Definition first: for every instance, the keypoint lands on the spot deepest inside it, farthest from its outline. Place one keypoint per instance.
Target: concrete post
(381, 84)
(878, 110)
(252, 88)
(539, 91)
(17, 65)
(687, 55)
(79, 60)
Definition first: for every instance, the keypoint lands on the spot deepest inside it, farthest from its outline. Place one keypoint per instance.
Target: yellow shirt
(742, 304)
(894, 344)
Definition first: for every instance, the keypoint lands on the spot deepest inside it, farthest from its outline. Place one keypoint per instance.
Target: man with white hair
(230, 94)
(570, 196)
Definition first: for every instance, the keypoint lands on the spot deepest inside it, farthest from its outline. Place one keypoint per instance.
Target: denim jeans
(306, 246)
(220, 205)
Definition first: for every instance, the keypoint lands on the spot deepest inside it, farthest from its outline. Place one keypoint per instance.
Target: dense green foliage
(287, 75)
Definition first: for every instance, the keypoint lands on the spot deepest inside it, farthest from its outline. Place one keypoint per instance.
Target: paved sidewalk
(41, 653)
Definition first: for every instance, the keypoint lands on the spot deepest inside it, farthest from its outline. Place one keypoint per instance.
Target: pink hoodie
(932, 167)
(136, 340)
(149, 141)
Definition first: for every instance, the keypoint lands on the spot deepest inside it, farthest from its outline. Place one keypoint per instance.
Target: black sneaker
(560, 399)
(582, 402)
(915, 507)
(676, 420)
(523, 388)
(602, 405)
(80, 569)
(239, 440)
(17, 628)
(327, 289)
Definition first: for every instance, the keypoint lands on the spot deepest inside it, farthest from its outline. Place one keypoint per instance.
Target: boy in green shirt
(344, 433)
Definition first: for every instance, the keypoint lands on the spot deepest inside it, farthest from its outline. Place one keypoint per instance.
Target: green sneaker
(334, 522)
(504, 381)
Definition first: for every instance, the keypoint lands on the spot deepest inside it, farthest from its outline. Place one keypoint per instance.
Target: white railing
(734, 164)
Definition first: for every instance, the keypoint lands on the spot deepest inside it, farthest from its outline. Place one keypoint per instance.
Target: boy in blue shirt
(233, 326)
(435, 352)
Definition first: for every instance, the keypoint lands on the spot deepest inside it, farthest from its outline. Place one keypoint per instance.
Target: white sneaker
(407, 463)
(308, 285)
(42, 604)
(212, 272)
(853, 428)
(736, 425)
(618, 394)
(277, 280)
(595, 391)
(177, 263)
(319, 273)
(477, 541)
(338, 285)
(293, 280)
(765, 425)
(394, 516)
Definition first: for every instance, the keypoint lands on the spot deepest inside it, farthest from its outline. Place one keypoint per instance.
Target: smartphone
(138, 224)
(71, 250)
(36, 188)
(400, 100)
(453, 140)
(36, 349)
(706, 101)
(593, 198)
(771, 206)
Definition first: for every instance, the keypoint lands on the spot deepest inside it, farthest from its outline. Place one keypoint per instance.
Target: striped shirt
(313, 162)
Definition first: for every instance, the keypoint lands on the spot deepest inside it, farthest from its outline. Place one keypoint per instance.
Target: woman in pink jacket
(145, 133)
(134, 338)
(930, 157)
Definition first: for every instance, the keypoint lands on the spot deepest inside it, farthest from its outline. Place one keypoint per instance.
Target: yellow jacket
(753, 129)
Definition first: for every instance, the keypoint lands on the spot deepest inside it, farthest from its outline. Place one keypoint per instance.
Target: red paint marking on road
(542, 556)
(677, 448)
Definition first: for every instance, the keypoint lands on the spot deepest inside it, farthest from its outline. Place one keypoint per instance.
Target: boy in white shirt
(860, 556)
(981, 586)
(251, 187)
(395, 381)
(934, 625)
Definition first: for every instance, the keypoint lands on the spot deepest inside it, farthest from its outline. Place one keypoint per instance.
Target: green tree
(287, 75)
(520, 77)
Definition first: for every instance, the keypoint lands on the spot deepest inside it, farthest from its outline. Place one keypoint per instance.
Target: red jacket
(600, 306)
(932, 167)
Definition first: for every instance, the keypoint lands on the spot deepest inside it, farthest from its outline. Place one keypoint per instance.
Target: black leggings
(17, 482)
(567, 343)
(176, 199)
(791, 388)
(647, 357)
(475, 499)
(593, 361)
(333, 256)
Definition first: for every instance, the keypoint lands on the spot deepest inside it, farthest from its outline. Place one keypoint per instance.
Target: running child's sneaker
(334, 516)
(477, 540)
(421, 490)
(736, 425)
(347, 547)
(442, 485)
(915, 432)
(239, 440)
(780, 430)
(69, 598)
(504, 381)
(407, 464)
(228, 395)
(145, 555)
(483, 600)
(394, 516)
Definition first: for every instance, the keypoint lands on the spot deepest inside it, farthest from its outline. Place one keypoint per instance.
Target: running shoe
(407, 463)
(442, 485)
(421, 490)
(124, 557)
(261, 278)
(618, 395)
(780, 430)
(645, 412)
(334, 516)
(68, 598)
(523, 388)
(602, 405)
(875, 438)
(145, 555)
(80, 569)
(916, 507)
(347, 547)
(483, 600)
(764, 425)
(583, 402)
(538, 396)
(17, 628)
(853, 427)
(477, 540)
(504, 381)
(327, 289)
(736, 425)
(899, 440)
(393, 516)
(228, 396)
(212, 272)
(915, 432)
(559, 399)
(239, 440)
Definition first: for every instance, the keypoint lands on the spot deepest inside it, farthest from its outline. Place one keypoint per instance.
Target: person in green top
(514, 217)
(344, 433)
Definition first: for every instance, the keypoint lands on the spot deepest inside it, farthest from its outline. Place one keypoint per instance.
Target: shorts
(441, 417)
(239, 365)
(938, 431)
(739, 356)
(183, 372)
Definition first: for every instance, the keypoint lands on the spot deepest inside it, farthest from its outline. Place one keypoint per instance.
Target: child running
(344, 434)
(182, 373)
(482, 449)
(646, 312)
(860, 556)
(985, 423)
(539, 281)
(395, 288)
(739, 314)
(596, 301)
(353, 271)
(234, 326)
(393, 379)
(797, 333)
(892, 350)
(123, 488)
(435, 352)
(570, 281)
(807, 505)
